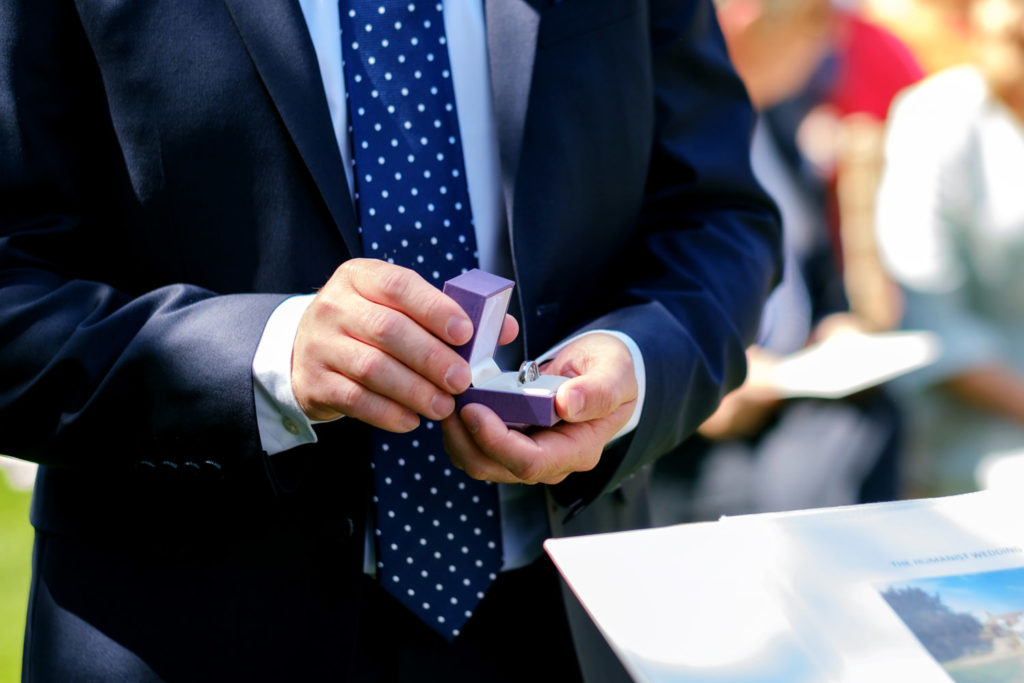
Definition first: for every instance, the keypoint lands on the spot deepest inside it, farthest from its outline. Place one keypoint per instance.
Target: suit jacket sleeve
(106, 357)
(707, 247)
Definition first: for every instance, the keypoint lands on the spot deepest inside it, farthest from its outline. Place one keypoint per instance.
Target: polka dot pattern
(438, 532)
(407, 155)
(438, 535)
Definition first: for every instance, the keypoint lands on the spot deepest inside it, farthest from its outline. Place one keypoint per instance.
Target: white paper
(850, 362)
(836, 565)
(800, 596)
(685, 603)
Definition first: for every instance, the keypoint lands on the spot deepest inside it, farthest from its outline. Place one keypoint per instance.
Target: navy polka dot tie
(438, 533)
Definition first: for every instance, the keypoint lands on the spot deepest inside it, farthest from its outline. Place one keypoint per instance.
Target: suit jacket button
(169, 470)
(190, 471)
(290, 426)
(211, 470)
(146, 468)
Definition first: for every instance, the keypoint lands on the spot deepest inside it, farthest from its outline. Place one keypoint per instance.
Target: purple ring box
(485, 297)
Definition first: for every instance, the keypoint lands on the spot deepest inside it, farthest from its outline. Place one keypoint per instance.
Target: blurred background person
(759, 452)
(832, 128)
(936, 31)
(951, 231)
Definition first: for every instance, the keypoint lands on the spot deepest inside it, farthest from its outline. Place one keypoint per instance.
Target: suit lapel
(512, 27)
(278, 42)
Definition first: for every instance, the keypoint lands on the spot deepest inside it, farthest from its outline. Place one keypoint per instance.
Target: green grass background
(15, 570)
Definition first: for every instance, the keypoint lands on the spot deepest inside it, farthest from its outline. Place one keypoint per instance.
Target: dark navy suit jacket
(168, 174)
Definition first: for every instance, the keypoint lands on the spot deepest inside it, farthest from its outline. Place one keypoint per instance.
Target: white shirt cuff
(282, 424)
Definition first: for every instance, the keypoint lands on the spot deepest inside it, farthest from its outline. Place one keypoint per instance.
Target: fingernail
(458, 378)
(442, 405)
(471, 421)
(410, 422)
(459, 330)
(576, 402)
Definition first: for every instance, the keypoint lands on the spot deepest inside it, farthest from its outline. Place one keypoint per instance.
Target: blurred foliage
(944, 633)
(992, 672)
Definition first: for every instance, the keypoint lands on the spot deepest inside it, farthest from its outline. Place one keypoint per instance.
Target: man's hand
(746, 409)
(594, 405)
(374, 346)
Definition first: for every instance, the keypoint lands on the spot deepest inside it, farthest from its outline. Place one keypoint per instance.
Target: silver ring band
(528, 372)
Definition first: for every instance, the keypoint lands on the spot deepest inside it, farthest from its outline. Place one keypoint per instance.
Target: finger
(578, 447)
(589, 436)
(384, 375)
(467, 456)
(399, 336)
(486, 448)
(370, 407)
(323, 363)
(509, 330)
(601, 368)
(405, 290)
(593, 395)
(334, 395)
(517, 453)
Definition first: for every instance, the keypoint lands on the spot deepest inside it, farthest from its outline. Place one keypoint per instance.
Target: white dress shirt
(950, 230)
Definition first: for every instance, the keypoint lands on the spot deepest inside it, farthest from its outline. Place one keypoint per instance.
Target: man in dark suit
(172, 174)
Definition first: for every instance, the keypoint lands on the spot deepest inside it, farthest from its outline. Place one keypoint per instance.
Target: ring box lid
(485, 298)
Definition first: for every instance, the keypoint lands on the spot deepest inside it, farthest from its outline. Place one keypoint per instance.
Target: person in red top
(874, 65)
(762, 450)
(834, 127)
